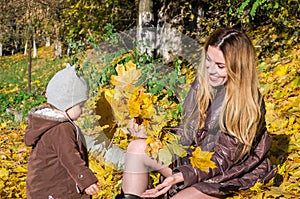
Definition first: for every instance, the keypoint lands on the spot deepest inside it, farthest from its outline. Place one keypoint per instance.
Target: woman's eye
(221, 66)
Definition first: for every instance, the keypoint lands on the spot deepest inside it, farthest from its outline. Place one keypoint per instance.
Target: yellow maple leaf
(141, 104)
(282, 70)
(153, 146)
(4, 173)
(127, 76)
(3, 125)
(201, 159)
(23, 126)
(20, 169)
(155, 177)
(119, 105)
(157, 122)
(257, 187)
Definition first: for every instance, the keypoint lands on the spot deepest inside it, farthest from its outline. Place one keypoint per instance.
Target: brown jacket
(58, 162)
(229, 175)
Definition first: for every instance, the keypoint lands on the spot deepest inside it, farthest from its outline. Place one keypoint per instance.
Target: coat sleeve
(225, 155)
(66, 147)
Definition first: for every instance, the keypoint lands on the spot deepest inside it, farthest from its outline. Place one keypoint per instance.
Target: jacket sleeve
(68, 154)
(225, 155)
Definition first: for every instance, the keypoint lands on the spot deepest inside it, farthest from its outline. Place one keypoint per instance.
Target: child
(58, 162)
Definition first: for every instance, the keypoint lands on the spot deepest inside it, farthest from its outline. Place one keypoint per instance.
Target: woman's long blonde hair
(240, 115)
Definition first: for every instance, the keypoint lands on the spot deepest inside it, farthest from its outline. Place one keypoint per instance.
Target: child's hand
(92, 189)
(137, 130)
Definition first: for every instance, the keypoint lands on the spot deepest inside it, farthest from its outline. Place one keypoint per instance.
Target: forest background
(38, 38)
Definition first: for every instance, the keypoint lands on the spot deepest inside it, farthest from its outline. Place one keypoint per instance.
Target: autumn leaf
(177, 149)
(157, 122)
(282, 70)
(153, 146)
(155, 178)
(4, 173)
(165, 155)
(201, 160)
(257, 187)
(127, 76)
(119, 105)
(20, 169)
(140, 104)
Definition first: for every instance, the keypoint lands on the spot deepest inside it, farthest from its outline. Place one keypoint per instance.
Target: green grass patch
(14, 95)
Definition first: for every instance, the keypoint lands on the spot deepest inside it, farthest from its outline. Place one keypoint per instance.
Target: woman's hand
(92, 189)
(163, 187)
(137, 130)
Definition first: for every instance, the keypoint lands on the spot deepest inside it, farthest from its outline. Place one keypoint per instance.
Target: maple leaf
(201, 159)
(157, 122)
(165, 155)
(257, 187)
(119, 104)
(141, 104)
(155, 178)
(127, 76)
(178, 149)
(153, 146)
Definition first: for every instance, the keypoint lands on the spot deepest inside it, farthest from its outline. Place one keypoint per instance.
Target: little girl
(58, 162)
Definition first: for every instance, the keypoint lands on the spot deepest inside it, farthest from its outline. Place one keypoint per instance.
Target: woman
(224, 114)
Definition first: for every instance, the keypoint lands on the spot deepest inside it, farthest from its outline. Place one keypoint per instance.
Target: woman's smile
(216, 67)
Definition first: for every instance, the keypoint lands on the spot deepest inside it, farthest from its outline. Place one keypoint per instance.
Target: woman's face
(216, 67)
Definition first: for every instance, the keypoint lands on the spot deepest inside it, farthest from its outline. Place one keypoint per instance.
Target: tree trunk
(145, 28)
(168, 42)
(57, 50)
(48, 41)
(34, 49)
(155, 36)
(25, 48)
(29, 69)
(57, 43)
(1, 49)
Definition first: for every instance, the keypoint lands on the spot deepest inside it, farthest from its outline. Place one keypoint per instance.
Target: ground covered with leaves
(278, 68)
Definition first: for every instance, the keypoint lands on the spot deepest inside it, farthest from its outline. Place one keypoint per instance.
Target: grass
(14, 82)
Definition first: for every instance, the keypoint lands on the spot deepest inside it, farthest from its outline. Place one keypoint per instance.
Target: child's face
(75, 112)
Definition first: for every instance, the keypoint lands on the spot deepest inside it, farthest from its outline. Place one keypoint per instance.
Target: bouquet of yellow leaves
(131, 101)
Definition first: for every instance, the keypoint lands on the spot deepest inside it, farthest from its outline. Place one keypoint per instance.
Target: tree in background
(27, 24)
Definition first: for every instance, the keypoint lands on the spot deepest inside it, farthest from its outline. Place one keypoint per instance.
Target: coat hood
(40, 120)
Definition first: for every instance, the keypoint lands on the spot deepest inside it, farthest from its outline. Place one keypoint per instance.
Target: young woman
(223, 113)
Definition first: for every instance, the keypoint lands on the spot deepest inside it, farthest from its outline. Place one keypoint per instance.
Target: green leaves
(166, 153)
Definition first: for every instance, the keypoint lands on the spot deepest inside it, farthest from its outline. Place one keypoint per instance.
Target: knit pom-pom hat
(66, 89)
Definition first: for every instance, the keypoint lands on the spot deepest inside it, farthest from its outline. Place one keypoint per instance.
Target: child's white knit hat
(66, 89)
